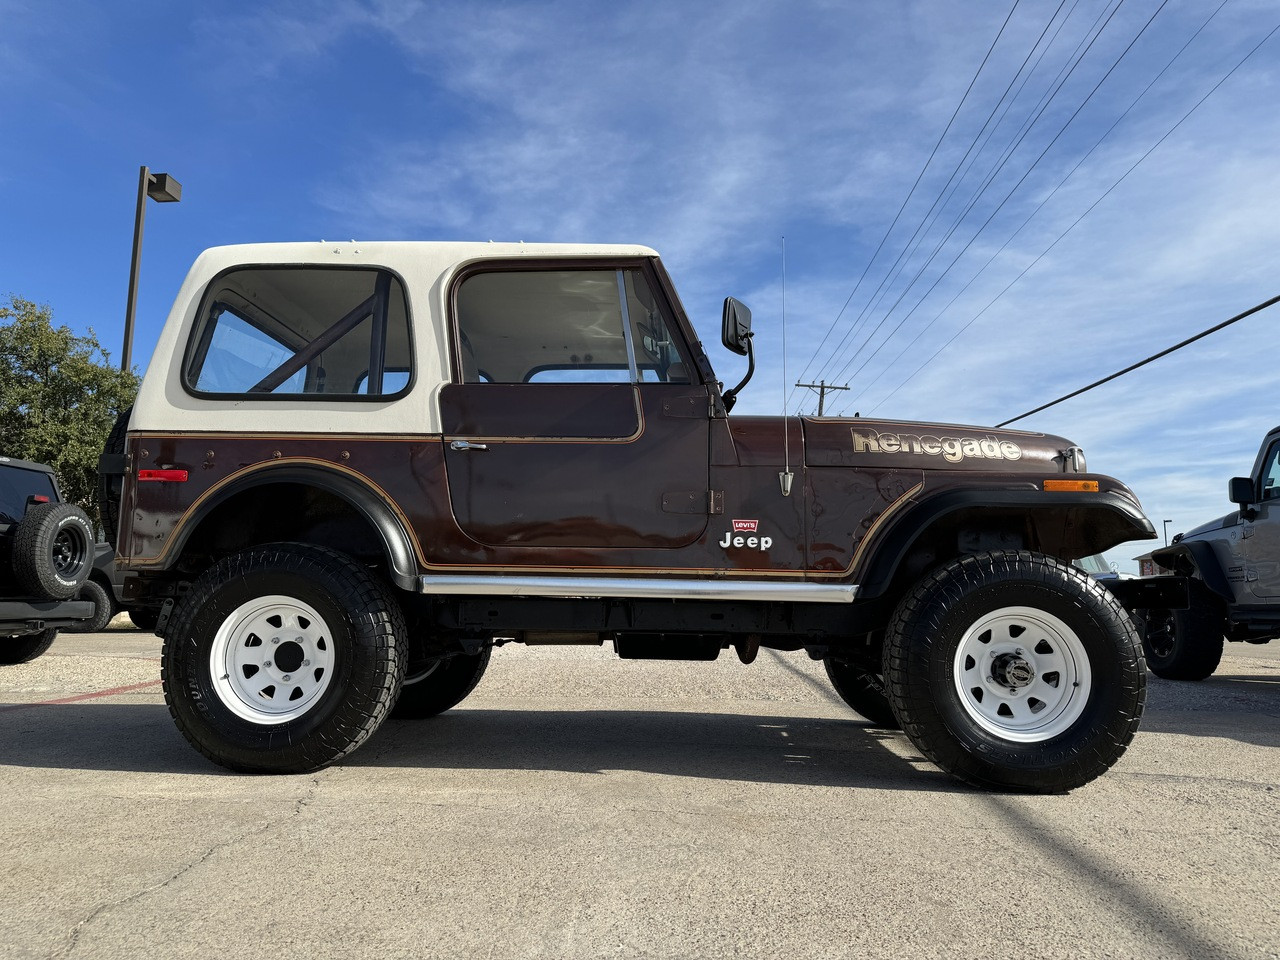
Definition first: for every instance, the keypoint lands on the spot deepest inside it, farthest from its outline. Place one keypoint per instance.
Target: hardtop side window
(297, 331)
(584, 325)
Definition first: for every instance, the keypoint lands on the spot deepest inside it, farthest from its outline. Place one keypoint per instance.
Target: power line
(1196, 106)
(886, 367)
(983, 188)
(912, 191)
(1142, 363)
(926, 221)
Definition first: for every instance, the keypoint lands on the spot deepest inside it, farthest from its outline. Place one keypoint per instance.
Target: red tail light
(166, 476)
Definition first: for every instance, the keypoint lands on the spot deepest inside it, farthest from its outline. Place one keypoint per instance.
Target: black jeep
(46, 554)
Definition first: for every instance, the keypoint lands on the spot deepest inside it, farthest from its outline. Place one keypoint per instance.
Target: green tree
(59, 396)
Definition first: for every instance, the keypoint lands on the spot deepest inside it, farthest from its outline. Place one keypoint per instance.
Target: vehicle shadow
(797, 750)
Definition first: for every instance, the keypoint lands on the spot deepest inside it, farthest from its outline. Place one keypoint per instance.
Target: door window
(1271, 474)
(565, 326)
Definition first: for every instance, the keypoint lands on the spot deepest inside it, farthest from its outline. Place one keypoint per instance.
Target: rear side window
(301, 331)
(16, 485)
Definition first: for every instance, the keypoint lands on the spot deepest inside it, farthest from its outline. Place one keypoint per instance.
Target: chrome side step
(632, 588)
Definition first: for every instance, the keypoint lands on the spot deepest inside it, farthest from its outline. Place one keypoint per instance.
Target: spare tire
(111, 485)
(53, 550)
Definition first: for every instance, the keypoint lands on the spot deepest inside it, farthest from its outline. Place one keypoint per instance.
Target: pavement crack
(74, 937)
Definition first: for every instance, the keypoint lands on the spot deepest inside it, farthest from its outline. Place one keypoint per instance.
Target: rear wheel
(1012, 670)
(432, 688)
(283, 658)
(15, 650)
(1186, 644)
(862, 690)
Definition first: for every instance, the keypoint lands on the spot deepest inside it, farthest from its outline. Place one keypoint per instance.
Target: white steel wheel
(272, 659)
(1022, 674)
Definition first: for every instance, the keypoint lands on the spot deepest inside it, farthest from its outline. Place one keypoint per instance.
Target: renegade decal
(951, 449)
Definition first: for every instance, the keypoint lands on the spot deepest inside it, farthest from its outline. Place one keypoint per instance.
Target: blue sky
(710, 131)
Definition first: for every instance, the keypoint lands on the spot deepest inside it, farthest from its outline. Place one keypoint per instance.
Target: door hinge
(706, 502)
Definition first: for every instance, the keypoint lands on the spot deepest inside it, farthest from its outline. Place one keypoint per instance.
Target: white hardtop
(426, 267)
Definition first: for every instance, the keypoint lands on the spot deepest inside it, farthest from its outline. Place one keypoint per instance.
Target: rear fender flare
(397, 544)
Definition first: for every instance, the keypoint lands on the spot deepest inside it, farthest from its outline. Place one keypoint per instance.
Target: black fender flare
(364, 497)
(909, 526)
(1196, 558)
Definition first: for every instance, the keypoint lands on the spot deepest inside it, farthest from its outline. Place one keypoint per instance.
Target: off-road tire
(863, 691)
(110, 487)
(53, 550)
(1041, 618)
(266, 602)
(1186, 644)
(15, 650)
(104, 608)
(440, 686)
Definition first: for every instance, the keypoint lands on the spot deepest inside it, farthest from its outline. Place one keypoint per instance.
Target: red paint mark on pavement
(80, 696)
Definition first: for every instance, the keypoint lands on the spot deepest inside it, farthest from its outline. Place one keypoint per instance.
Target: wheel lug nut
(275, 639)
(266, 663)
(306, 663)
(286, 676)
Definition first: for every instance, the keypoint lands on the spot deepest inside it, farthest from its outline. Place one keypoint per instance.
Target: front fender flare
(1195, 558)
(1121, 518)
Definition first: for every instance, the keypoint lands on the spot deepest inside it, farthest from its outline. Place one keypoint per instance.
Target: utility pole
(822, 387)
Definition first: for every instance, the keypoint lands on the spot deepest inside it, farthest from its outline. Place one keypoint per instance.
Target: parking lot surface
(577, 805)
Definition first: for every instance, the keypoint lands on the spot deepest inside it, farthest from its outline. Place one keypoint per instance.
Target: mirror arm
(731, 397)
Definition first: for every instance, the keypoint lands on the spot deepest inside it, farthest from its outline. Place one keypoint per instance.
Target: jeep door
(1259, 543)
(575, 418)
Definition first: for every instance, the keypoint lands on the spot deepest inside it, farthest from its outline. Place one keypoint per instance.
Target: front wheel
(15, 650)
(1185, 644)
(283, 658)
(1011, 670)
(104, 608)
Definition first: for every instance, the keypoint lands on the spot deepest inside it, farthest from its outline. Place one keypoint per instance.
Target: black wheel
(1186, 644)
(104, 608)
(144, 618)
(53, 550)
(435, 687)
(1011, 670)
(14, 650)
(283, 658)
(111, 486)
(864, 691)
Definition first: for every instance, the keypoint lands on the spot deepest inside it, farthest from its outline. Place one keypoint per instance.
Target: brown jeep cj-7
(353, 469)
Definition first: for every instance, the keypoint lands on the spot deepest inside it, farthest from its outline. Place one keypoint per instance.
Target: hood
(1213, 526)
(857, 442)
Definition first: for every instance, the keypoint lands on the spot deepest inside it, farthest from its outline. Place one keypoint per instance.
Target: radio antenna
(786, 476)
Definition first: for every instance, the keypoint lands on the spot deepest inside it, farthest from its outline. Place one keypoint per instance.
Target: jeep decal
(951, 449)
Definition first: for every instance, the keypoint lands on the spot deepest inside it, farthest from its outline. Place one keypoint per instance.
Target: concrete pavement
(582, 806)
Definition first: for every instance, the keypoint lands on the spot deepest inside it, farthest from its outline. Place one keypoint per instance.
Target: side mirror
(735, 327)
(1240, 491)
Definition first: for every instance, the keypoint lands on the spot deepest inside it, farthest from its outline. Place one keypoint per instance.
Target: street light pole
(1166, 532)
(163, 189)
